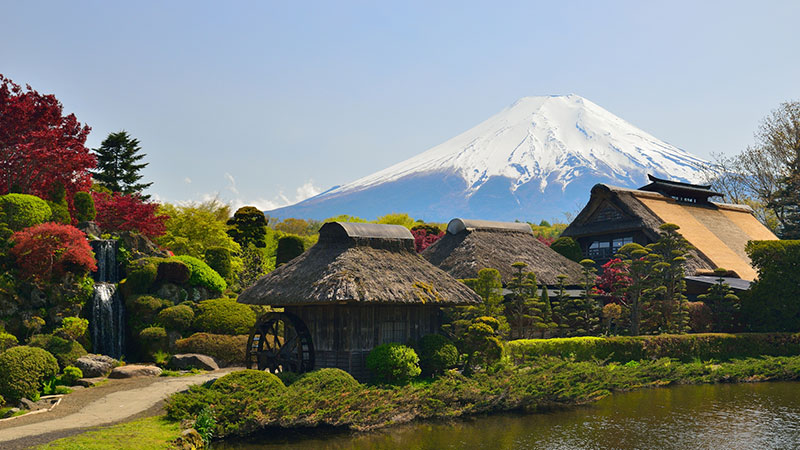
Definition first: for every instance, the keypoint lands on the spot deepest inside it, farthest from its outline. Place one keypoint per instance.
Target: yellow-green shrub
(23, 371)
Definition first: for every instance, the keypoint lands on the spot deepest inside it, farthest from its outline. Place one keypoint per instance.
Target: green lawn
(152, 433)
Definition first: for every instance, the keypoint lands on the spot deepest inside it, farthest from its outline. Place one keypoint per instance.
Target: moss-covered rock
(153, 339)
(173, 271)
(226, 350)
(177, 318)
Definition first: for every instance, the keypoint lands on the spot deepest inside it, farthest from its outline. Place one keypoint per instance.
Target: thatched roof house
(471, 245)
(359, 263)
(360, 286)
(615, 216)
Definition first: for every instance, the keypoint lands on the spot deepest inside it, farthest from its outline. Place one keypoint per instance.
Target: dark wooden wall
(343, 335)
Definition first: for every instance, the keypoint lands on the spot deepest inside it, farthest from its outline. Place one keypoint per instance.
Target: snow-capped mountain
(536, 159)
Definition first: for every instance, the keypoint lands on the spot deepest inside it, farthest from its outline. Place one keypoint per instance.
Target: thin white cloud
(303, 192)
(232, 181)
(187, 180)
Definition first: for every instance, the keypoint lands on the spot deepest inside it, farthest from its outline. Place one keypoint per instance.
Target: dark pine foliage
(118, 164)
(248, 226)
(289, 247)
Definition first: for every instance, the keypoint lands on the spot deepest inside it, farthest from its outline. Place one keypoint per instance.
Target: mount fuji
(536, 159)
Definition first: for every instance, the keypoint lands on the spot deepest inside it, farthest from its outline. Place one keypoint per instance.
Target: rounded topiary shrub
(260, 382)
(289, 247)
(145, 307)
(226, 350)
(393, 363)
(153, 339)
(203, 275)
(84, 206)
(178, 318)
(141, 276)
(568, 248)
(224, 316)
(7, 341)
(327, 380)
(23, 371)
(173, 271)
(70, 375)
(436, 354)
(66, 351)
(23, 210)
(219, 259)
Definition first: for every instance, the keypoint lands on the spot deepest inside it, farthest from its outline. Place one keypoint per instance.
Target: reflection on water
(738, 416)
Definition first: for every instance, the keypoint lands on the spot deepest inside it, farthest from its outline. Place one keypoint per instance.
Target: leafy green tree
(773, 302)
(248, 226)
(254, 265)
(118, 164)
(397, 219)
(194, 228)
(724, 304)
(670, 253)
(568, 248)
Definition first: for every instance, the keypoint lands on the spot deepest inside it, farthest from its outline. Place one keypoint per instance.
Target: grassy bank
(152, 433)
(331, 397)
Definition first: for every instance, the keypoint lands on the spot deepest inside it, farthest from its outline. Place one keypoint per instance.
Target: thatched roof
(359, 263)
(462, 254)
(718, 231)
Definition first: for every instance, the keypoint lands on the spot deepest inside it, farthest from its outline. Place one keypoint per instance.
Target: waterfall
(108, 315)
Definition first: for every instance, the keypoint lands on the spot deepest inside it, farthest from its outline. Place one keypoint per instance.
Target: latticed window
(394, 331)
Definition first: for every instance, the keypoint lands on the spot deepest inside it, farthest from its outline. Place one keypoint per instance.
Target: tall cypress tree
(118, 164)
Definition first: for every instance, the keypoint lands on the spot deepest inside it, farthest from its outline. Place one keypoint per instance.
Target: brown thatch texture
(462, 255)
(341, 269)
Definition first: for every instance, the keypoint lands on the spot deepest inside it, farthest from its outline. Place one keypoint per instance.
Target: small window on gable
(606, 214)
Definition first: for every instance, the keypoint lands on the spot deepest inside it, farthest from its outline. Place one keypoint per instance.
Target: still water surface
(735, 416)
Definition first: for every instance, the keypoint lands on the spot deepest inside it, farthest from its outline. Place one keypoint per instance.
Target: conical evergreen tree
(117, 164)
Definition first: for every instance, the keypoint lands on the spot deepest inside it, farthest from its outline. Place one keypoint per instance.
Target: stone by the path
(135, 370)
(43, 403)
(94, 366)
(190, 439)
(89, 382)
(10, 412)
(24, 403)
(186, 361)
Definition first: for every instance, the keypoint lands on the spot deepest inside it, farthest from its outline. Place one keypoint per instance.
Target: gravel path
(114, 402)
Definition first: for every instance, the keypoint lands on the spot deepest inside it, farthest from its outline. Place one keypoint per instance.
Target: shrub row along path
(114, 402)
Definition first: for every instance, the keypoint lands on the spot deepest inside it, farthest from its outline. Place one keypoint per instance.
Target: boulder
(190, 439)
(90, 229)
(94, 366)
(173, 272)
(10, 412)
(30, 405)
(88, 382)
(135, 371)
(140, 246)
(192, 361)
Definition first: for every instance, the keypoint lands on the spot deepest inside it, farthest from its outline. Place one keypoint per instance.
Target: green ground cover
(152, 433)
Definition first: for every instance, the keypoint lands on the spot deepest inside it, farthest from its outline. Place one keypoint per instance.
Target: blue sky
(267, 102)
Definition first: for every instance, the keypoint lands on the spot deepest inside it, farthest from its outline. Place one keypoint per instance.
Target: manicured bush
(66, 351)
(24, 211)
(75, 329)
(153, 339)
(23, 371)
(7, 341)
(226, 350)
(203, 275)
(219, 259)
(326, 380)
(568, 248)
(84, 206)
(685, 347)
(259, 381)
(436, 354)
(145, 307)
(70, 375)
(700, 317)
(59, 213)
(393, 363)
(178, 318)
(289, 247)
(173, 271)
(50, 250)
(142, 275)
(224, 316)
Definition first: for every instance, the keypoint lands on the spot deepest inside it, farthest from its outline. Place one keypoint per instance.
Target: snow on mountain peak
(546, 139)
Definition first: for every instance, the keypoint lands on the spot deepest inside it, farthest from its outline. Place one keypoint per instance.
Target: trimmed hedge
(203, 275)
(7, 341)
(393, 363)
(224, 316)
(226, 350)
(436, 354)
(326, 380)
(289, 248)
(23, 210)
(66, 351)
(178, 318)
(84, 206)
(153, 339)
(219, 259)
(23, 371)
(684, 347)
(568, 248)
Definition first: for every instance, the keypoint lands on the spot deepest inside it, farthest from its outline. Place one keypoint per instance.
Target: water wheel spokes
(280, 342)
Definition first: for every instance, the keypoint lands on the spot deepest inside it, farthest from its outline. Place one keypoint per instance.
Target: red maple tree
(424, 238)
(50, 250)
(118, 212)
(614, 281)
(39, 146)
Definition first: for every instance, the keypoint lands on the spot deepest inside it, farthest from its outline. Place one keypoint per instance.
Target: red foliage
(51, 249)
(424, 239)
(39, 146)
(545, 240)
(118, 212)
(612, 283)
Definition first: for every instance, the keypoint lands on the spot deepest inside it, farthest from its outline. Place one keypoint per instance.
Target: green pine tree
(118, 164)
(523, 308)
(724, 304)
(670, 253)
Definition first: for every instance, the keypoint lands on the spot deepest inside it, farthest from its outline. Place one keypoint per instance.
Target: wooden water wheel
(280, 342)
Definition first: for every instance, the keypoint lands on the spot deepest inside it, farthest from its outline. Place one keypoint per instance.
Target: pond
(723, 416)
